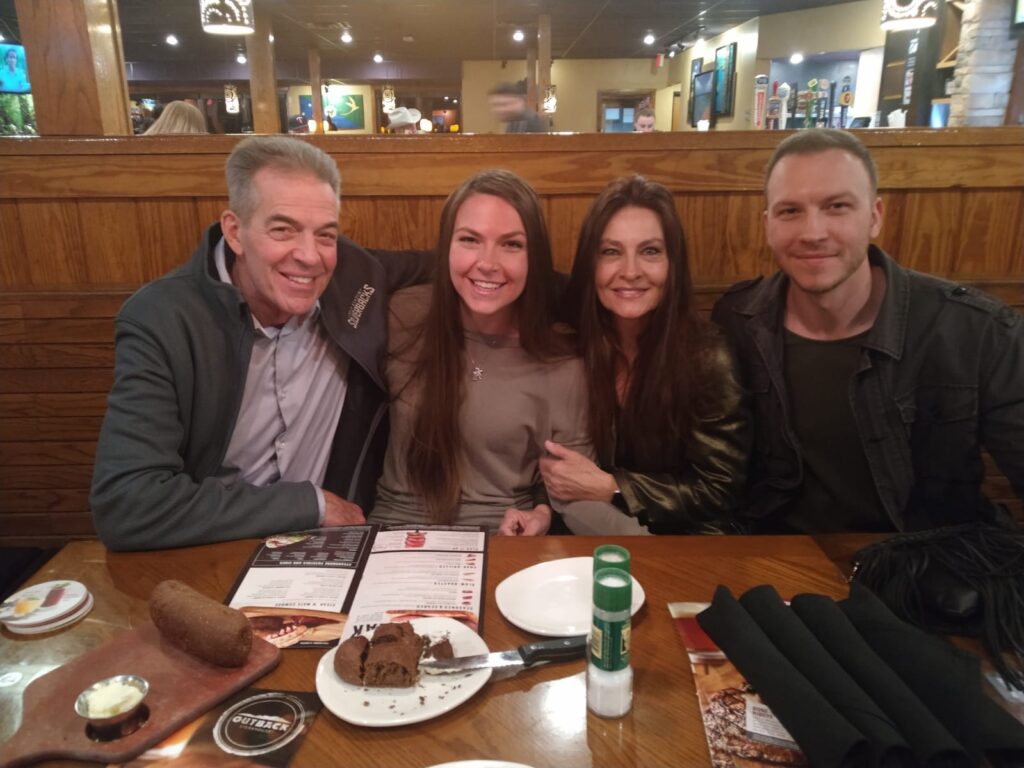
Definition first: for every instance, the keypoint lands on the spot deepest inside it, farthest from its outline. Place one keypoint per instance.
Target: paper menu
(414, 572)
(299, 589)
(740, 729)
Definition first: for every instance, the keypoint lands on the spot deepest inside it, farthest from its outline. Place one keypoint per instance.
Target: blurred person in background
(404, 120)
(508, 103)
(178, 117)
(644, 121)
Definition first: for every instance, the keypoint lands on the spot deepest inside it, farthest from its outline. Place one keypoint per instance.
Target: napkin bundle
(856, 686)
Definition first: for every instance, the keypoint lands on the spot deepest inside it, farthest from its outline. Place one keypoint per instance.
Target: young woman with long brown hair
(479, 374)
(666, 415)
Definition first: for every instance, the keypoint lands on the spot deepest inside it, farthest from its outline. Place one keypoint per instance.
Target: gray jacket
(183, 344)
(941, 375)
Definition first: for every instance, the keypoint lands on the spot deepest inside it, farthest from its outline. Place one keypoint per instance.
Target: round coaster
(42, 603)
(59, 623)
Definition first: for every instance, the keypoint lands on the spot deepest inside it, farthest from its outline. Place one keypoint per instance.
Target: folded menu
(854, 685)
(309, 589)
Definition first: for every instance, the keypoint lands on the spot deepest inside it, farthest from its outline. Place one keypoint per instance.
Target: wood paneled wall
(83, 222)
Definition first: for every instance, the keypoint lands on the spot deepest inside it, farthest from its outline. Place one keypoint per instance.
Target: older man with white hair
(248, 397)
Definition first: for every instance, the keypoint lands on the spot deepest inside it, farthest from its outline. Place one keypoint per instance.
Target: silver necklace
(476, 373)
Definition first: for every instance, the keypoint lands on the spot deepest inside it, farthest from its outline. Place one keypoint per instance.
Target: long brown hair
(666, 384)
(434, 454)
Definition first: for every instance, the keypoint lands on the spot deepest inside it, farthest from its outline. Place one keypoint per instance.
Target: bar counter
(538, 718)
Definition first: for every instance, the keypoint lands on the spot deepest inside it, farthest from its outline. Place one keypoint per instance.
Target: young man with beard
(874, 387)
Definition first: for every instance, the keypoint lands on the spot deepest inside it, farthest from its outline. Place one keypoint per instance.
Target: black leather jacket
(941, 375)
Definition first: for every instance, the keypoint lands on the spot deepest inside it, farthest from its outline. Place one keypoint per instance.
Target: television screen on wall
(13, 71)
(1018, 15)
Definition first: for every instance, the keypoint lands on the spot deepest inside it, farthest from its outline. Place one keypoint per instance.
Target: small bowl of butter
(113, 706)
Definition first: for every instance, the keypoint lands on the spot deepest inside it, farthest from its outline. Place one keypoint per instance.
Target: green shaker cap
(613, 590)
(611, 556)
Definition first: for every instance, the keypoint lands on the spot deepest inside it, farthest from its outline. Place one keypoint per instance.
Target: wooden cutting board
(181, 687)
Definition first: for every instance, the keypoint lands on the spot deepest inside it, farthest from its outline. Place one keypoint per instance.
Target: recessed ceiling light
(446, 98)
(455, 101)
(270, 38)
(796, 58)
(519, 36)
(240, 58)
(170, 39)
(346, 37)
(377, 58)
(648, 39)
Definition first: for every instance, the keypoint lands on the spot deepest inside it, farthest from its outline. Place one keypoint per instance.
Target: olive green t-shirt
(838, 492)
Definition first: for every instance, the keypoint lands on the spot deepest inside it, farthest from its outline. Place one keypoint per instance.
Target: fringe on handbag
(962, 580)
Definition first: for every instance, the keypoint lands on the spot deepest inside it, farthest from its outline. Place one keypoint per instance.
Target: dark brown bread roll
(199, 625)
(348, 661)
(392, 665)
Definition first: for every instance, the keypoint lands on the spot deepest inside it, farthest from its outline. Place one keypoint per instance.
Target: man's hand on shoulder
(337, 511)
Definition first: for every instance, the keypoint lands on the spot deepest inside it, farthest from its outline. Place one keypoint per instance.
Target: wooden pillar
(316, 89)
(531, 78)
(76, 65)
(544, 60)
(1015, 105)
(266, 117)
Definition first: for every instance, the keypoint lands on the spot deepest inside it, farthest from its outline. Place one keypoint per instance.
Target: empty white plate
(554, 599)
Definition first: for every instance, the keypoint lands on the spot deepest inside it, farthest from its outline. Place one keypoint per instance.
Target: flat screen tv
(13, 72)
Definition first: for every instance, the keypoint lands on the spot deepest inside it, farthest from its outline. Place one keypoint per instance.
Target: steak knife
(514, 660)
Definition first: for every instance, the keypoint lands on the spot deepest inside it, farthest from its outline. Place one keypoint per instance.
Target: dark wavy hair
(667, 385)
(434, 454)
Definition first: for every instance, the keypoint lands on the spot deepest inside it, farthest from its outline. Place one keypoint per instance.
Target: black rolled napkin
(931, 742)
(824, 735)
(947, 679)
(885, 745)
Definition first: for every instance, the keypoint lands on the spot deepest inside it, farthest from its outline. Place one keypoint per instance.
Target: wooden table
(539, 717)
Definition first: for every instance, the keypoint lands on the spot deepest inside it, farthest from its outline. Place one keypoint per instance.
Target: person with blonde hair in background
(178, 117)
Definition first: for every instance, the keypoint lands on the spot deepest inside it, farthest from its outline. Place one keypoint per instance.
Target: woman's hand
(526, 522)
(571, 476)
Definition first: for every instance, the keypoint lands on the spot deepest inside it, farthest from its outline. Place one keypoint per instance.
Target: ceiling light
(455, 101)
(648, 39)
(171, 40)
(346, 37)
(226, 17)
(2, 38)
(796, 58)
(519, 35)
(270, 38)
(240, 58)
(446, 98)
(377, 58)
(672, 53)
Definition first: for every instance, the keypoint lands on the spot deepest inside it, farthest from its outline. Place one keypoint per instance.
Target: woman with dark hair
(480, 376)
(666, 415)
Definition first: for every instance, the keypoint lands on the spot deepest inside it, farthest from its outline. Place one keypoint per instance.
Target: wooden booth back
(84, 222)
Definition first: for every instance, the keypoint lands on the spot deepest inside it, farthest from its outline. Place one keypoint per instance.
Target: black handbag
(959, 580)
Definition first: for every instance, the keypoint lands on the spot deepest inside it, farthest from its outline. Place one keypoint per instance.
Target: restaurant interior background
(588, 66)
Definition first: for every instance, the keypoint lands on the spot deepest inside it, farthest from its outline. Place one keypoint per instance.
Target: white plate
(481, 764)
(43, 603)
(433, 695)
(554, 599)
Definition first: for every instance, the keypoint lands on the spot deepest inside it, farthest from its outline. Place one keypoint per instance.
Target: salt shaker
(609, 674)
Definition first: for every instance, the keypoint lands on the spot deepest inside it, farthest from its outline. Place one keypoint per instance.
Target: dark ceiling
(423, 31)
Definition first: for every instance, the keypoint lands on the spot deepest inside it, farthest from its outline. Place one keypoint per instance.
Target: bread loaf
(199, 625)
